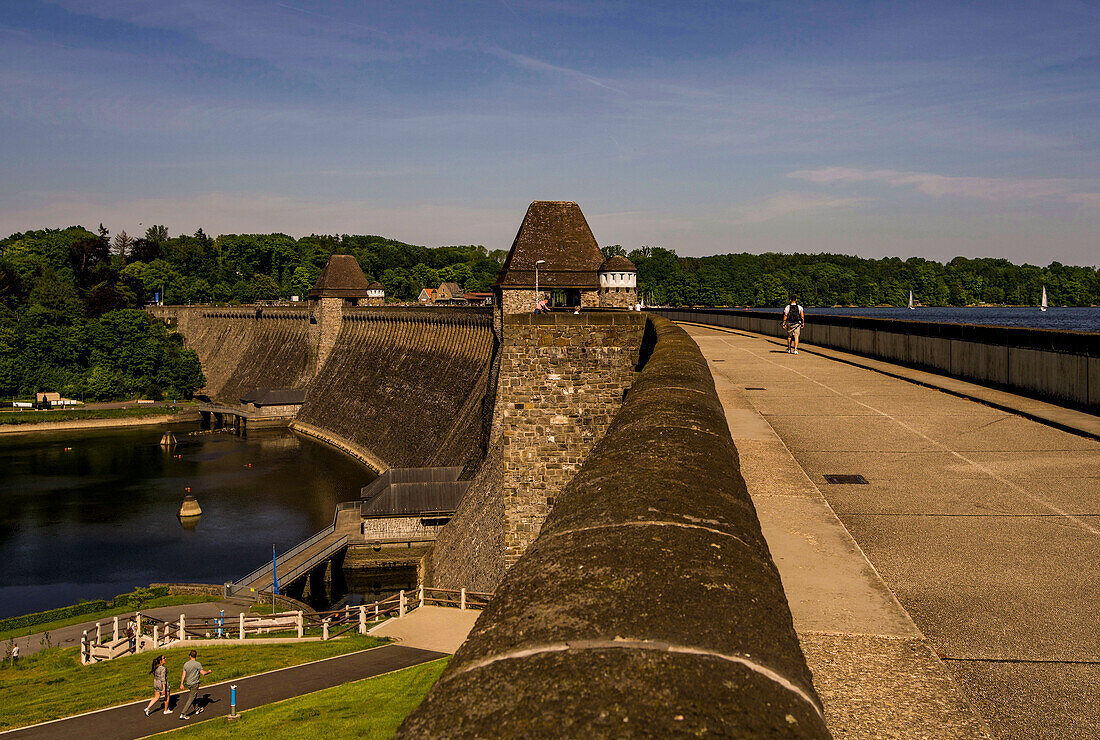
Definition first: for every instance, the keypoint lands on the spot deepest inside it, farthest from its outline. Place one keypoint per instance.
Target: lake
(1068, 319)
(89, 514)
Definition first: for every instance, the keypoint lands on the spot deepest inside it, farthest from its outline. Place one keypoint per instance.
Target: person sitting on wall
(543, 306)
(793, 319)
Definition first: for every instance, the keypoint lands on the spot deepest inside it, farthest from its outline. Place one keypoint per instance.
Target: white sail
(910, 300)
(1043, 304)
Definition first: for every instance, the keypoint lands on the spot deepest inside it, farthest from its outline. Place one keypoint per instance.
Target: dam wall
(399, 387)
(407, 385)
(1060, 366)
(246, 347)
(649, 603)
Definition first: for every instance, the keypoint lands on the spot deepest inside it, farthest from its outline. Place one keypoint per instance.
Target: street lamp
(539, 262)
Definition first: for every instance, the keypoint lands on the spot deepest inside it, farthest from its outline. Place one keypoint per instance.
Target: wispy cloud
(784, 204)
(538, 65)
(940, 186)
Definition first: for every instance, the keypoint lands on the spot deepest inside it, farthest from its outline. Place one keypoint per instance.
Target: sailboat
(910, 300)
(1043, 303)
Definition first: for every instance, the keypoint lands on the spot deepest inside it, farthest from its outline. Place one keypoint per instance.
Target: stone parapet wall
(397, 527)
(1059, 366)
(649, 604)
(562, 378)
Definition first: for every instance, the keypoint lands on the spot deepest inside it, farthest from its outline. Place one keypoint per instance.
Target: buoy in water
(167, 439)
(189, 507)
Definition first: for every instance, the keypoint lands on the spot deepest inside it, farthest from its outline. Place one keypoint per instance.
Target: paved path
(984, 525)
(431, 628)
(70, 636)
(129, 721)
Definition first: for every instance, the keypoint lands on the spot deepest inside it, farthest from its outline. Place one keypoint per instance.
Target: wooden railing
(152, 633)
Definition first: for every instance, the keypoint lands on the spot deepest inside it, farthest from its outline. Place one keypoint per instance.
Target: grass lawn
(371, 708)
(53, 684)
(37, 417)
(104, 614)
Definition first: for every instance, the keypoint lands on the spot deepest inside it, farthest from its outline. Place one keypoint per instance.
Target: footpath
(944, 585)
(128, 721)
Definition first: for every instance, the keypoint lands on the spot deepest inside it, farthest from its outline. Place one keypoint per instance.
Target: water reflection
(88, 514)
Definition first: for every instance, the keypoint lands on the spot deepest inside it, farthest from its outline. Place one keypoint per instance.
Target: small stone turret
(618, 283)
(342, 283)
(376, 294)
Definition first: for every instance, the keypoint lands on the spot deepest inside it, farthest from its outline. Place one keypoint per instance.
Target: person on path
(543, 306)
(189, 679)
(793, 318)
(160, 685)
(14, 655)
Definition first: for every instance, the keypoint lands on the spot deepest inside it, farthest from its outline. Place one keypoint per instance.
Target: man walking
(192, 674)
(793, 319)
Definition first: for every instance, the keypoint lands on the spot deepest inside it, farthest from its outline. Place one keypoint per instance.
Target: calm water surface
(100, 518)
(1068, 319)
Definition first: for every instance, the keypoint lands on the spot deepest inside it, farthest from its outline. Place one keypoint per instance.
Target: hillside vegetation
(69, 298)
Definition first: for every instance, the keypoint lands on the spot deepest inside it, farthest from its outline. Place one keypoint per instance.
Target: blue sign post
(274, 571)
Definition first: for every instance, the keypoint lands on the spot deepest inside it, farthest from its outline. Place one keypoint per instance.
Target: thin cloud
(941, 186)
(786, 204)
(538, 65)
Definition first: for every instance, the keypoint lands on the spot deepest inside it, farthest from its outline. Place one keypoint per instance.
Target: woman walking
(160, 684)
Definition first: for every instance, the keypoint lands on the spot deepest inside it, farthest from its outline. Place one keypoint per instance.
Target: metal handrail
(309, 564)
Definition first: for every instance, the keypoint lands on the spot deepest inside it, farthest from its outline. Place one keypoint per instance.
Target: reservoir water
(1067, 319)
(89, 514)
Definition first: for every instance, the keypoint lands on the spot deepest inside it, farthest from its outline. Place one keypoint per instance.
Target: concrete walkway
(70, 636)
(430, 627)
(984, 524)
(129, 721)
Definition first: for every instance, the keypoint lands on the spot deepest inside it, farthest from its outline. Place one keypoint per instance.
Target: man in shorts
(192, 673)
(793, 319)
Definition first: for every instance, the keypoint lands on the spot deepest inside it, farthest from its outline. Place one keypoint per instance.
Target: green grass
(370, 708)
(53, 684)
(38, 417)
(105, 614)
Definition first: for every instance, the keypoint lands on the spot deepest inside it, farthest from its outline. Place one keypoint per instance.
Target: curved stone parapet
(649, 603)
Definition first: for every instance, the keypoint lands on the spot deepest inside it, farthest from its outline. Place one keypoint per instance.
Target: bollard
(462, 599)
(139, 624)
(362, 620)
(233, 703)
(420, 595)
(115, 638)
(183, 635)
(301, 626)
(156, 635)
(401, 604)
(98, 633)
(324, 630)
(376, 611)
(240, 618)
(84, 648)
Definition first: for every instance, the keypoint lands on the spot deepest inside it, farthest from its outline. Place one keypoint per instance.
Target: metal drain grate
(751, 388)
(836, 478)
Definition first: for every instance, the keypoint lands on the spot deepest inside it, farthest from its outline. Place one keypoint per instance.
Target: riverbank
(15, 422)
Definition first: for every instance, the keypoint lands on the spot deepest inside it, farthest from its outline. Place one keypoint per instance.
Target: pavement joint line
(990, 516)
(1019, 489)
(628, 644)
(1038, 661)
(208, 686)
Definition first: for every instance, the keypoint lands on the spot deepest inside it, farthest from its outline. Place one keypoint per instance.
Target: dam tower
(342, 283)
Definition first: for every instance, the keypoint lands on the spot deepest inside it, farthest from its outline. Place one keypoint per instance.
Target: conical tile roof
(555, 231)
(341, 278)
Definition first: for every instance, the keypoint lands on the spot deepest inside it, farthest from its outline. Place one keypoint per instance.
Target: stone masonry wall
(618, 297)
(520, 301)
(562, 378)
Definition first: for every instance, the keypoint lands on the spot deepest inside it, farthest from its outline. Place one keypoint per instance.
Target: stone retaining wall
(649, 604)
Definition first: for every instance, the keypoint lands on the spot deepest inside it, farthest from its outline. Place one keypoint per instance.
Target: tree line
(70, 298)
(839, 280)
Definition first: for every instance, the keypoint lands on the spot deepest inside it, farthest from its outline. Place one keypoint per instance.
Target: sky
(931, 129)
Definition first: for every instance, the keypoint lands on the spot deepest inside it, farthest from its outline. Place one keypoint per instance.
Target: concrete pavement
(430, 627)
(983, 524)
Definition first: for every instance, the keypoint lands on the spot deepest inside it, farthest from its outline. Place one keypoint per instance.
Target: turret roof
(618, 263)
(341, 278)
(557, 232)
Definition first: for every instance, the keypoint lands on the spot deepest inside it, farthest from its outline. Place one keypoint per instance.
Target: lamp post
(537, 263)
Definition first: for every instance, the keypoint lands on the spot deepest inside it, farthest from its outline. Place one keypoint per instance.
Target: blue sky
(930, 129)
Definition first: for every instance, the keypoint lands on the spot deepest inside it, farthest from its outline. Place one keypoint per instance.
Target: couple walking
(189, 679)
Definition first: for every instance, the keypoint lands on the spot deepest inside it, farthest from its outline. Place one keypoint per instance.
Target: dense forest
(70, 298)
(838, 280)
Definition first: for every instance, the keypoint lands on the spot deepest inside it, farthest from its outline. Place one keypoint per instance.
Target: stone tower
(342, 283)
(555, 238)
(618, 283)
